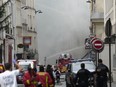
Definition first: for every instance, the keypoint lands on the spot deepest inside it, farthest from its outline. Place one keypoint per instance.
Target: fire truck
(63, 61)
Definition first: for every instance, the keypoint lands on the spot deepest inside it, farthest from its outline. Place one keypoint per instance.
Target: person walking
(31, 78)
(101, 71)
(49, 70)
(57, 73)
(69, 78)
(82, 76)
(45, 78)
(8, 78)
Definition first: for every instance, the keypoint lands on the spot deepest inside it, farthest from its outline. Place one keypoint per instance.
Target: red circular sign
(94, 38)
(97, 44)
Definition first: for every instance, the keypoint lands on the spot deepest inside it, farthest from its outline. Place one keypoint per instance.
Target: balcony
(97, 17)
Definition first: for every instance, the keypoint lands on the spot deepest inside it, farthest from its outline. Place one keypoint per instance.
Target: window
(88, 65)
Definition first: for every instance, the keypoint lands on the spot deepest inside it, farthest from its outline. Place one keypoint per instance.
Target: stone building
(20, 37)
(101, 11)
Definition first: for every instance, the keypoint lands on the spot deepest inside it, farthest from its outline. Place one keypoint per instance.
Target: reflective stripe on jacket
(27, 80)
(45, 79)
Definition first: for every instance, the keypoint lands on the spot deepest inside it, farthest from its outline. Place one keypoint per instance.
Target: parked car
(75, 67)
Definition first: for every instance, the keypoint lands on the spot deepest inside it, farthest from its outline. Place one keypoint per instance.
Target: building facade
(6, 32)
(96, 17)
(21, 33)
(110, 12)
(101, 11)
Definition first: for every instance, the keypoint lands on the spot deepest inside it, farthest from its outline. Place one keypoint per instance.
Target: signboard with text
(27, 40)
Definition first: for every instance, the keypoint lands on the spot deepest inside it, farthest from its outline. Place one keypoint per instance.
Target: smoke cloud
(62, 27)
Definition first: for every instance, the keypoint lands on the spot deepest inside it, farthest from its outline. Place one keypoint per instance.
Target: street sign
(108, 28)
(87, 43)
(94, 38)
(98, 45)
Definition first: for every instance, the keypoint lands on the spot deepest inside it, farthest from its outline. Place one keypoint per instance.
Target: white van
(89, 65)
(24, 64)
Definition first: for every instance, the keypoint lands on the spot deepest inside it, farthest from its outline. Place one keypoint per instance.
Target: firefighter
(31, 78)
(45, 78)
(101, 71)
(1, 68)
(82, 76)
(50, 71)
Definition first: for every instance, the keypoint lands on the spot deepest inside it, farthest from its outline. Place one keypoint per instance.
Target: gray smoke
(62, 27)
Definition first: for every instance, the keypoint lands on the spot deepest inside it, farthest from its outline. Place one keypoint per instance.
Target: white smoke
(63, 25)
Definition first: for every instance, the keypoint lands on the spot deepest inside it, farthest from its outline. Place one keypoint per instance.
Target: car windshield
(76, 67)
(25, 67)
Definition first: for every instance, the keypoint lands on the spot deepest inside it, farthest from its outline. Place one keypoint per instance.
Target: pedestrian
(45, 78)
(57, 73)
(8, 77)
(49, 70)
(31, 78)
(101, 71)
(69, 78)
(82, 76)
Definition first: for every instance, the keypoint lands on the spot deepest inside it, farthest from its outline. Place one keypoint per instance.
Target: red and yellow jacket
(27, 80)
(45, 79)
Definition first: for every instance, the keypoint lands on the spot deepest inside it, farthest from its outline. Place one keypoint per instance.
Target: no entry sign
(97, 45)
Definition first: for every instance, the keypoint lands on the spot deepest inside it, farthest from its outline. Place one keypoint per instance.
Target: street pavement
(62, 84)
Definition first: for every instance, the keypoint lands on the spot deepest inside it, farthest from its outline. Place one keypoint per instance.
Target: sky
(62, 28)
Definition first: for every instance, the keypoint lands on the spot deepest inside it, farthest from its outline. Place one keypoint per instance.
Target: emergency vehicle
(24, 64)
(63, 61)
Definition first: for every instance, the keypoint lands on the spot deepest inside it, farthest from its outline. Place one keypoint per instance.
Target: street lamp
(90, 1)
(39, 11)
(27, 7)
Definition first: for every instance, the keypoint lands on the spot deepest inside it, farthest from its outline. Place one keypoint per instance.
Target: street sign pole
(98, 47)
(110, 61)
(108, 30)
(97, 57)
